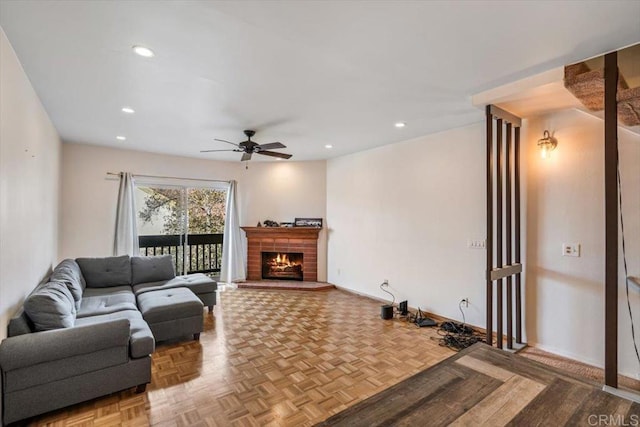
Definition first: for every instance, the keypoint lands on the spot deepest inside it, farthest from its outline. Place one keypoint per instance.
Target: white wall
(279, 191)
(29, 184)
(405, 212)
(565, 203)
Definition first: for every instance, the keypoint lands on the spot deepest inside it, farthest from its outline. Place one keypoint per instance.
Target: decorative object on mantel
(286, 224)
(269, 223)
(308, 222)
(259, 224)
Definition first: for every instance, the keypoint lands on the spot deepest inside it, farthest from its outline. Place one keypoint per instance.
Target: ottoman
(201, 285)
(172, 313)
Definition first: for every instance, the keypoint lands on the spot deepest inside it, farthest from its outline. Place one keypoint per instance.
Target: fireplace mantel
(283, 232)
(282, 239)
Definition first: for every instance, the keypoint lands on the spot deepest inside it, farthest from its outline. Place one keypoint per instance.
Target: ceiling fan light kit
(249, 147)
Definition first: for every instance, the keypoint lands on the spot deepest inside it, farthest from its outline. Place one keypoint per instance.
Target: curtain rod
(171, 177)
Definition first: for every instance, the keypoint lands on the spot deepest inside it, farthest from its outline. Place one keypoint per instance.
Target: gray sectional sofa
(88, 330)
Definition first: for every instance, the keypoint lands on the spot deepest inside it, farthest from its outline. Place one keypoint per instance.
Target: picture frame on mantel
(308, 222)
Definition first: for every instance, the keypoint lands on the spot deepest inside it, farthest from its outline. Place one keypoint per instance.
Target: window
(186, 222)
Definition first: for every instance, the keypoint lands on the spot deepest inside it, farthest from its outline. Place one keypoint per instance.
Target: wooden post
(507, 188)
(508, 240)
(516, 196)
(611, 219)
(499, 298)
(489, 176)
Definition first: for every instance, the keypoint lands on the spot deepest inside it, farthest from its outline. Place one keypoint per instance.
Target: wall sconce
(547, 144)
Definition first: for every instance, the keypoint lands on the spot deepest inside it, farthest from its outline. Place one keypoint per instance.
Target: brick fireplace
(282, 240)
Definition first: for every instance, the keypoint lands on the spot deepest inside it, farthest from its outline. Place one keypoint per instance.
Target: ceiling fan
(248, 147)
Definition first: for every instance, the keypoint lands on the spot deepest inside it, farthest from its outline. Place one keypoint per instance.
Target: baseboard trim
(634, 397)
(438, 318)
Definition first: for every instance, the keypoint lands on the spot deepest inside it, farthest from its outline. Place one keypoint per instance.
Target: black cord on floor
(458, 336)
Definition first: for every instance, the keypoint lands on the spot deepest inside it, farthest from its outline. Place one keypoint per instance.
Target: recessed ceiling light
(121, 138)
(328, 146)
(143, 51)
(128, 110)
(400, 124)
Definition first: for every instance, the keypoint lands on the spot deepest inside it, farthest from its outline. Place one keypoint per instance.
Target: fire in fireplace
(282, 265)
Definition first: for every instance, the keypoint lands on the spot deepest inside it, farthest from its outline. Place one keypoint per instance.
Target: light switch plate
(571, 249)
(476, 244)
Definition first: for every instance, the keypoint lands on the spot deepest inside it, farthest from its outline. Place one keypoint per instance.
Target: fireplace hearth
(282, 265)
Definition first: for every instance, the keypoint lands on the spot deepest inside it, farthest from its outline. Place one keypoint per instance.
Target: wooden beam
(611, 219)
(489, 184)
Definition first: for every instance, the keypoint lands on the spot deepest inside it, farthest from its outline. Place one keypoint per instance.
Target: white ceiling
(306, 73)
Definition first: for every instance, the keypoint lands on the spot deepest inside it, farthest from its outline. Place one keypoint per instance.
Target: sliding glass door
(206, 208)
(185, 222)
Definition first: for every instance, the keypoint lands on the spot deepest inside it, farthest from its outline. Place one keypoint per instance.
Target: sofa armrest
(39, 347)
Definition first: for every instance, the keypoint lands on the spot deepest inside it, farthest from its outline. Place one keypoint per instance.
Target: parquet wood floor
(269, 357)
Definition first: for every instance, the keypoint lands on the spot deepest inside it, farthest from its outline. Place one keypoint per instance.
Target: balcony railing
(203, 251)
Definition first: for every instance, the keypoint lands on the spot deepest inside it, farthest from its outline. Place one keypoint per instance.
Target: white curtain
(126, 240)
(233, 262)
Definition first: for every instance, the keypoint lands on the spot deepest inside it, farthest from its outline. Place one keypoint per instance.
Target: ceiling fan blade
(228, 142)
(271, 146)
(213, 151)
(275, 154)
(245, 157)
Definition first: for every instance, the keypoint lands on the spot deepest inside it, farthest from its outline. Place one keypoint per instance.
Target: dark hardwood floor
(485, 386)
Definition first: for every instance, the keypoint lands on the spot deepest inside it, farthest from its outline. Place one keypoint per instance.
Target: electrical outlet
(465, 301)
(385, 282)
(571, 249)
(476, 244)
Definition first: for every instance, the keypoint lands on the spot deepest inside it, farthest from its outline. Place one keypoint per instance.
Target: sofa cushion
(105, 304)
(198, 283)
(20, 324)
(106, 272)
(141, 341)
(98, 292)
(68, 272)
(51, 306)
(151, 268)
